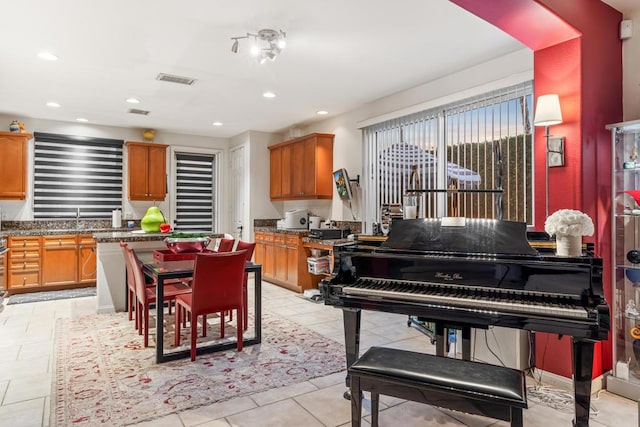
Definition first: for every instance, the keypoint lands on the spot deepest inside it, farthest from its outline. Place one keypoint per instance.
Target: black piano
(473, 273)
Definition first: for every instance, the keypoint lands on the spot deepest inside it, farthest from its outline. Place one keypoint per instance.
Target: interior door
(238, 191)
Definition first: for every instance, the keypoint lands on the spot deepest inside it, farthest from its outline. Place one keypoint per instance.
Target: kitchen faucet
(78, 218)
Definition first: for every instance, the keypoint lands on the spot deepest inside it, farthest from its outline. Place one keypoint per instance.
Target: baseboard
(105, 309)
(549, 378)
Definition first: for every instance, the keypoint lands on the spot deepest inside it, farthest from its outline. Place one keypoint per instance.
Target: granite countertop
(135, 236)
(327, 242)
(62, 231)
(301, 231)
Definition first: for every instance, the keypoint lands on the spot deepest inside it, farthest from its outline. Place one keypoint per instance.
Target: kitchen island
(110, 280)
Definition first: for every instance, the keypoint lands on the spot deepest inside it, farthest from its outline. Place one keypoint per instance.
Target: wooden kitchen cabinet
(38, 263)
(292, 245)
(59, 260)
(275, 173)
(302, 168)
(146, 171)
(13, 165)
(23, 263)
(87, 265)
(284, 260)
(279, 257)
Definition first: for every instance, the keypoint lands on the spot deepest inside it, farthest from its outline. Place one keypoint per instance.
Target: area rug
(104, 376)
(51, 295)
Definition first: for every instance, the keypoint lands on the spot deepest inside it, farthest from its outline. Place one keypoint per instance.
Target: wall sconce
(547, 114)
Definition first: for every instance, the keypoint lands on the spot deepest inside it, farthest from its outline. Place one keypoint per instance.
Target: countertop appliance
(296, 219)
(314, 222)
(329, 233)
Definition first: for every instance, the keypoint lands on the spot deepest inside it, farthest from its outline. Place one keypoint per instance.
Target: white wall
(631, 70)
(23, 210)
(510, 69)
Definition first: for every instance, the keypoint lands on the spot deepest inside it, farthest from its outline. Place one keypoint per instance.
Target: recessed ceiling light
(53, 104)
(133, 100)
(269, 95)
(81, 119)
(47, 56)
(217, 123)
(322, 112)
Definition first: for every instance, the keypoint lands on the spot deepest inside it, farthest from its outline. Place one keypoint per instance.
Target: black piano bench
(471, 387)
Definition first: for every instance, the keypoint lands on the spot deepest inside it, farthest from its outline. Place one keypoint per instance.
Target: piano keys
(474, 273)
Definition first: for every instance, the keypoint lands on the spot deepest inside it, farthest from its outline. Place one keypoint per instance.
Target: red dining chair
(146, 295)
(225, 245)
(249, 247)
(216, 288)
(131, 287)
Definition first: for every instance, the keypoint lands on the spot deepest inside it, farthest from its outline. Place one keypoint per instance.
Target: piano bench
(471, 387)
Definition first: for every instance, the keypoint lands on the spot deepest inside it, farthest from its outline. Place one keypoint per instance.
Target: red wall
(577, 54)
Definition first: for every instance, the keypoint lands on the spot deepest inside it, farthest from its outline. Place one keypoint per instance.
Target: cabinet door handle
(24, 280)
(59, 242)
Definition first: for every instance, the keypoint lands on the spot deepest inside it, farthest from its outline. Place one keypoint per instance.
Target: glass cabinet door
(626, 259)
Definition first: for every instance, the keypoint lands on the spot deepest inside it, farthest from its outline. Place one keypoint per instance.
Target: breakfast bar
(110, 280)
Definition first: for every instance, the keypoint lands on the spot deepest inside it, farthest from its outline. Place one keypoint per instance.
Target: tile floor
(26, 341)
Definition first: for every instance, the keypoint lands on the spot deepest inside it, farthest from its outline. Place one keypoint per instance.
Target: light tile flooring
(26, 360)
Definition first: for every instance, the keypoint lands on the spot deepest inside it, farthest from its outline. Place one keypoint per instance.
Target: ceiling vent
(176, 79)
(141, 112)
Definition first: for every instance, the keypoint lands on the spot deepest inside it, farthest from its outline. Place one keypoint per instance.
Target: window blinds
(195, 192)
(73, 172)
(477, 144)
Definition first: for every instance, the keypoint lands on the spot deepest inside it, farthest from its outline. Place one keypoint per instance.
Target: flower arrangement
(569, 222)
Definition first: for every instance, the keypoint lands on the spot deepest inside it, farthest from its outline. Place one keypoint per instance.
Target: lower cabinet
(284, 260)
(38, 263)
(59, 260)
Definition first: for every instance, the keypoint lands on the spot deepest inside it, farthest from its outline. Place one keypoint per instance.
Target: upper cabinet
(147, 171)
(302, 168)
(13, 165)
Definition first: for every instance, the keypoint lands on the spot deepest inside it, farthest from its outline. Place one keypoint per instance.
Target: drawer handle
(24, 265)
(25, 253)
(25, 242)
(24, 280)
(59, 242)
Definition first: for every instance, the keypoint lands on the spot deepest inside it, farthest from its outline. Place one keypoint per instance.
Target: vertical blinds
(195, 192)
(481, 145)
(73, 172)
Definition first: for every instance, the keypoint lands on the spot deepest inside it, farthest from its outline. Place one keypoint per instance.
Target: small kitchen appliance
(314, 222)
(296, 219)
(329, 233)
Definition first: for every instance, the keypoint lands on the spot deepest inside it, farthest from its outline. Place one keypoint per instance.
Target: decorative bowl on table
(181, 245)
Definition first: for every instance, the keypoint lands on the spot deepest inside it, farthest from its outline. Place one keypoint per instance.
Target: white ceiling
(340, 54)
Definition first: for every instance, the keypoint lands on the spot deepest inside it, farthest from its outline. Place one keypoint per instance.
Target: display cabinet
(626, 259)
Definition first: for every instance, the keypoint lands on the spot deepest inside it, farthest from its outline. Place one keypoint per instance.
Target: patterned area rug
(105, 377)
(51, 295)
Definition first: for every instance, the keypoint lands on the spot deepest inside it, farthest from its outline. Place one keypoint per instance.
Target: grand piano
(473, 273)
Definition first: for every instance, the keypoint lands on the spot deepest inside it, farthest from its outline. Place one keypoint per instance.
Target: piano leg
(351, 318)
(441, 340)
(582, 372)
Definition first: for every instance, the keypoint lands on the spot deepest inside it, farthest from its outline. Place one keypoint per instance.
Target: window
(74, 173)
(472, 158)
(196, 192)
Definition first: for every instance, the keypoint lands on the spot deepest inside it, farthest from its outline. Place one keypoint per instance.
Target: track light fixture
(267, 44)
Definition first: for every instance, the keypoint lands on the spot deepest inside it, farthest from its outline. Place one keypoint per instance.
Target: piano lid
(465, 235)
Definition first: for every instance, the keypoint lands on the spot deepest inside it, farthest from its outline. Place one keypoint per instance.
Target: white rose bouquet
(570, 222)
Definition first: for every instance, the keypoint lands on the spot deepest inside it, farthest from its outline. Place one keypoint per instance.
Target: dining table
(166, 270)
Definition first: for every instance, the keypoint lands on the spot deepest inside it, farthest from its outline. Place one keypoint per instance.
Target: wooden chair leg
(222, 325)
(375, 407)
(139, 317)
(356, 402)
(169, 303)
(245, 303)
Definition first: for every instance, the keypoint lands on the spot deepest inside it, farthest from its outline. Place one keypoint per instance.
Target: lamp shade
(547, 111)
